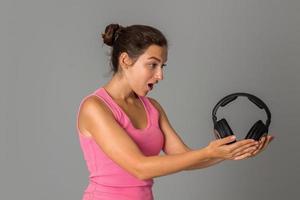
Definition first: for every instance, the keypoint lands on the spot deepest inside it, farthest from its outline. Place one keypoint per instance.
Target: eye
(153, 65)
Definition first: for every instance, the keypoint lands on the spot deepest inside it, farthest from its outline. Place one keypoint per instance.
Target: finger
(242, 156)
(264, 141)
(255, 152)
(246, 148)
(261, 143)
(241, 143)
(226, 140)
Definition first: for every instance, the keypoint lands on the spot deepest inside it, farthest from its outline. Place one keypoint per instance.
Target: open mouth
(150, 86)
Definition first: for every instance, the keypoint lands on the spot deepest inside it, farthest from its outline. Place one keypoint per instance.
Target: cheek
(142, 74)
(136, 77)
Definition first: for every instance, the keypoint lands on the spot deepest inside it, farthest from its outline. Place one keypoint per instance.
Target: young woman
(122, 131)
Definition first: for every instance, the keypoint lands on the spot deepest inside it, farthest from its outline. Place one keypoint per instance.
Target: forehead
(155, 51)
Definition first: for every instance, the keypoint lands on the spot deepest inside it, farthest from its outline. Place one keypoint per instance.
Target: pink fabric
(107, 180)
(102, 192)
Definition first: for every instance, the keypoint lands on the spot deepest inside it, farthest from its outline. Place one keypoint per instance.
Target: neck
(119, 89)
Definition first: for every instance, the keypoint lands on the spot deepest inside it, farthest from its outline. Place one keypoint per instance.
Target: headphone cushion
(257, 131)
(223, 128)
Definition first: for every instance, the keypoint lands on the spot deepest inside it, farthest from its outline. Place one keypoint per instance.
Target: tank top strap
(119, 114)
(153, 112)
(102, 94)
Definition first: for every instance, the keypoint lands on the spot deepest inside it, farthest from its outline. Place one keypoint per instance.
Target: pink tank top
(150, 140)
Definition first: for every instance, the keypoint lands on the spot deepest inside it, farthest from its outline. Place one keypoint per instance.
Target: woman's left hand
(263, 143)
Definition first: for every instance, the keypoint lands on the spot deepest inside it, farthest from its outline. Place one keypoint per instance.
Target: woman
(122, 131)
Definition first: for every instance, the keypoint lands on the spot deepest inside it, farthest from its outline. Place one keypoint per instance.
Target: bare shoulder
(93, 102)
(94, 107)
(98, 121)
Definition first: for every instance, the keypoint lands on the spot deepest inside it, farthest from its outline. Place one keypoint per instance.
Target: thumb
(227, 139)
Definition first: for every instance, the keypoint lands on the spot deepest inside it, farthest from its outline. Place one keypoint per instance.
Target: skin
(132, 78)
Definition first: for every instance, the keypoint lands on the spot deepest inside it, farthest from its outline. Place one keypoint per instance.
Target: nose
(159, 74)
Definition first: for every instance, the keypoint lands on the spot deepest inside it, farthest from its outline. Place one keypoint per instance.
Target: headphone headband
(231, 97)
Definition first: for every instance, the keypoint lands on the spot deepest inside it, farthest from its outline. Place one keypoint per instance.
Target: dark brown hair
(133, 40)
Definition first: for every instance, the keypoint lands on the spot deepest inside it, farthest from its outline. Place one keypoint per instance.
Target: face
(147, 70)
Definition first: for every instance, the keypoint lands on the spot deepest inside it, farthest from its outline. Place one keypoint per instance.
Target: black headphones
(258, 130)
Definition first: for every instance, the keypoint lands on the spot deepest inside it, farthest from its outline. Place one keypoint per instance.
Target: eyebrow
(152, 57)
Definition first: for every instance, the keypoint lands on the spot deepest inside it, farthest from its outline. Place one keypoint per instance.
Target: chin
(142, 92)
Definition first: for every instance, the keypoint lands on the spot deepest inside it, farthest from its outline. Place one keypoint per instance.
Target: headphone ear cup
(223, 129)
(257, 131)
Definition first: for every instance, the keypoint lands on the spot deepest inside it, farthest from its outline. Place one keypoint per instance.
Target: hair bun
(111, 34)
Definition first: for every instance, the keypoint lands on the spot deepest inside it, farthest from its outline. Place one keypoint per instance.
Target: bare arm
(208, 163)
(175, 145)
(96, 119)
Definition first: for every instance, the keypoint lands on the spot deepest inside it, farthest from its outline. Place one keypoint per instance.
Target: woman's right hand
(239, 150)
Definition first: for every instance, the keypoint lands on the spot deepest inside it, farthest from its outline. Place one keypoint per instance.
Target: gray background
(52, 56)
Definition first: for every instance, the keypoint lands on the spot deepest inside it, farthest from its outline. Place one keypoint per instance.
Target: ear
(125, 61)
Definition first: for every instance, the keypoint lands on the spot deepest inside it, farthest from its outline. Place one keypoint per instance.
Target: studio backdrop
(52, 56)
